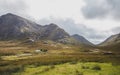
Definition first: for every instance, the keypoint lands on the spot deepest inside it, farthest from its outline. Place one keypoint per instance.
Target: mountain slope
(112, 43)
(114, 39)
(53, 32)
(16, 27)
(81, 39)
(13, 26)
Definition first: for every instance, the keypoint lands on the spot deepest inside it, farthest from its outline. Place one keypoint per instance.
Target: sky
(96, 20)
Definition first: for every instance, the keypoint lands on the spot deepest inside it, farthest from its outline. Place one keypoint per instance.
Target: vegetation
(60, 59)
(12, 66)
(96, 67)
(72, 69)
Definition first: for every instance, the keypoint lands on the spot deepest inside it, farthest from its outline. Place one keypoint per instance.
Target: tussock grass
(73, 69)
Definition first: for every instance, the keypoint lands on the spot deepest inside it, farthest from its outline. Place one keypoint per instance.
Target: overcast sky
(96, 20)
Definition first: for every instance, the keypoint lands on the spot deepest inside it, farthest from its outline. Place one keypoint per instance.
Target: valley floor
(20, 58)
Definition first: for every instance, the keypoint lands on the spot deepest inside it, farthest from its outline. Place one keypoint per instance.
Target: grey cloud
(115, 4)
(115, 30)
(71, 27)
(13, 6)
(101, 8)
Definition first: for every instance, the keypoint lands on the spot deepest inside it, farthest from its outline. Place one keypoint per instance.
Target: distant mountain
(81, 39)
(114, 39)
(16, 27)
(112, 43)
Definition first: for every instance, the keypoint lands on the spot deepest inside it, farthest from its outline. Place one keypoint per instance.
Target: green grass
(72, 69)
(8, 67)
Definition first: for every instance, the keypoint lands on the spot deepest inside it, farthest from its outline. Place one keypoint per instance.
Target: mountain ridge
(111, 40)
(16, 27)
(112, 43)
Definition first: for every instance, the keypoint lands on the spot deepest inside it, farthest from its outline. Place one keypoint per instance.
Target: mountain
(13, 26)
(112, 43)
(53, 32)
(114, 39)
(81, 39)
(16, 27)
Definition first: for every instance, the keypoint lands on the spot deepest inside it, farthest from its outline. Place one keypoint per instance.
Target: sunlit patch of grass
(93, 68)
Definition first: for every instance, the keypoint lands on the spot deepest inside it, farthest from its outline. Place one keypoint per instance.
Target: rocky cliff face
(16, 27)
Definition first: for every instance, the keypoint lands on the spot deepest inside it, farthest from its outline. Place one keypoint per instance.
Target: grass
(72, 69)
(54, 61)
(8, 67)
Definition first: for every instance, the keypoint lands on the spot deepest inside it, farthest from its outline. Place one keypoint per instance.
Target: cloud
(13, 6)
(71, 27)
(115, 30)
(101, 9)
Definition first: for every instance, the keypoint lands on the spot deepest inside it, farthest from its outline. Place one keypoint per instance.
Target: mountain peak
(8, 15)
(81, 39)
(53, 25)
(13, 26)
(111, 40)
(77, 35)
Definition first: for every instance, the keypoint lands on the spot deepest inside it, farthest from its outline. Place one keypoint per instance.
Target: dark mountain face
(13, 26)
(81, 39)
(16, 27)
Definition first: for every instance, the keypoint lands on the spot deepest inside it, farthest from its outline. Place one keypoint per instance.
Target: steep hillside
(13, 26)
(16, 27)
(53, 32)
(114, 39)
(112, 43)
(81, 39)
